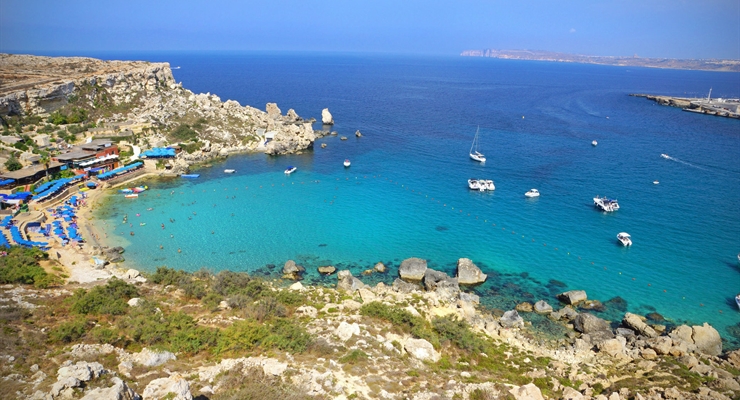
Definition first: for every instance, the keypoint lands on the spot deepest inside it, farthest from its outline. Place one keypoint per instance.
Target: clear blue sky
(648, 28)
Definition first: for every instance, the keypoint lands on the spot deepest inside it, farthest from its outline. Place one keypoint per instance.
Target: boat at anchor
(606, 204)
(481, 184)
(474, 153)
(624, 238)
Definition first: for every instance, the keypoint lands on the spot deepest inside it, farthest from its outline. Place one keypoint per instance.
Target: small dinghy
(347, 163)
(131, 195)
(290, 170)
(229, 171)
(532, 193)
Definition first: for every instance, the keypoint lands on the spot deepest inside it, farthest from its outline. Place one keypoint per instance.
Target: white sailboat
(474, 153)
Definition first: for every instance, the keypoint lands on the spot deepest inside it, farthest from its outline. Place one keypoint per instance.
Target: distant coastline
(635, 61)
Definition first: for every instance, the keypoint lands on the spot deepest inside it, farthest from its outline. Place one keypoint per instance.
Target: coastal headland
(106, 332)
(634, 61)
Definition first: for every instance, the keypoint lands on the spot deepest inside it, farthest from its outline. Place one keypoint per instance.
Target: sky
(648, 28)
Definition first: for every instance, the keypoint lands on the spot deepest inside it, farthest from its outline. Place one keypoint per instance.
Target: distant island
(634, 61)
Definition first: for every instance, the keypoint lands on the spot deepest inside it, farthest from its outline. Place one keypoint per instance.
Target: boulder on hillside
(345, 331)
(512, 319)
(707, 339)
(566, 313)
(589, 323)
(326, 117)
(119, 390)
(633, 321)
(347, 282)
(421, 350)
(573, 296)
(469, 273)
(401, 286)
(174, 387)
(413, 269)
(445, 287)
(527, 392)
(82, 371)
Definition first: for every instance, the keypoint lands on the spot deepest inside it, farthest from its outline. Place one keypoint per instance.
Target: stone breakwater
(146, 93)
(729, 108)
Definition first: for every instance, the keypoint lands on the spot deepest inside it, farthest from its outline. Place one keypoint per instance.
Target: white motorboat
(290, 170)
(473, 184)
(737, 300)
(481, 184)
(229, 171)
(532, 193)
(347, 163)
(624, 238)
(666, 156)
(606, 204)
(594, 143)
(656, 182)
(474, 153)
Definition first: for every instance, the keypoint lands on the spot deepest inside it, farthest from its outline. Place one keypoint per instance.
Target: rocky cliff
(145, 93)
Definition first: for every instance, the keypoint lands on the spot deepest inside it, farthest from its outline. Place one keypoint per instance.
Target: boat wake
(667, 157)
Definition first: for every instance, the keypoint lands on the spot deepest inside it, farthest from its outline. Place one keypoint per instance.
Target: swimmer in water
(172, 236)
(162, 226)
(179, 251)
(132, 233)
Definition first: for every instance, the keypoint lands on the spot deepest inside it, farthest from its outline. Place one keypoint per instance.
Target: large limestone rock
(421, 350)
(345, 331)
(541, 307)
(327, 269)
(589, 323)
(293, 271)
(347, 282)
(512, 319)
(612, 346)
(527, 392)
(174, 387)
(633, 321)
(326, 117)
(273, 110)
(707, 339)
(469, 273)
(82, 371)
(445, 287)
(413, 269)
(401, 286)
(149, 358)
(573, 296)
(119, 391)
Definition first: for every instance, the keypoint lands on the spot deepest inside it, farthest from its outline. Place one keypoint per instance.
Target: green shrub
(245, 336)
(354, 357)
(13, 164)
(265, 309)
(459, 333)
(168, 276)
(21, 265)
(178, 332)
(403, 320)
(184, 133)
(69, 331)
(108, 299)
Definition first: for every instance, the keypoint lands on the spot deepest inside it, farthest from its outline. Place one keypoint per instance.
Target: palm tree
(46, 160)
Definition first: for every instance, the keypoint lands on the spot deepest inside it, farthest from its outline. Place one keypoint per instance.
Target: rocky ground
(424, 337)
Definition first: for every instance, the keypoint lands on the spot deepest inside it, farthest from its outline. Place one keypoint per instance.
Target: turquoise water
(405, 194)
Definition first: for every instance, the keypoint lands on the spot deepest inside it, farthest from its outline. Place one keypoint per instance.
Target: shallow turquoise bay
(405, 194)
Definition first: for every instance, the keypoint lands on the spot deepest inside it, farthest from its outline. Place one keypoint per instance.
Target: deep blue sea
(405, 194)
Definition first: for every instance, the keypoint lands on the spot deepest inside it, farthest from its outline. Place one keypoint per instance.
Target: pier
(729, 108)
